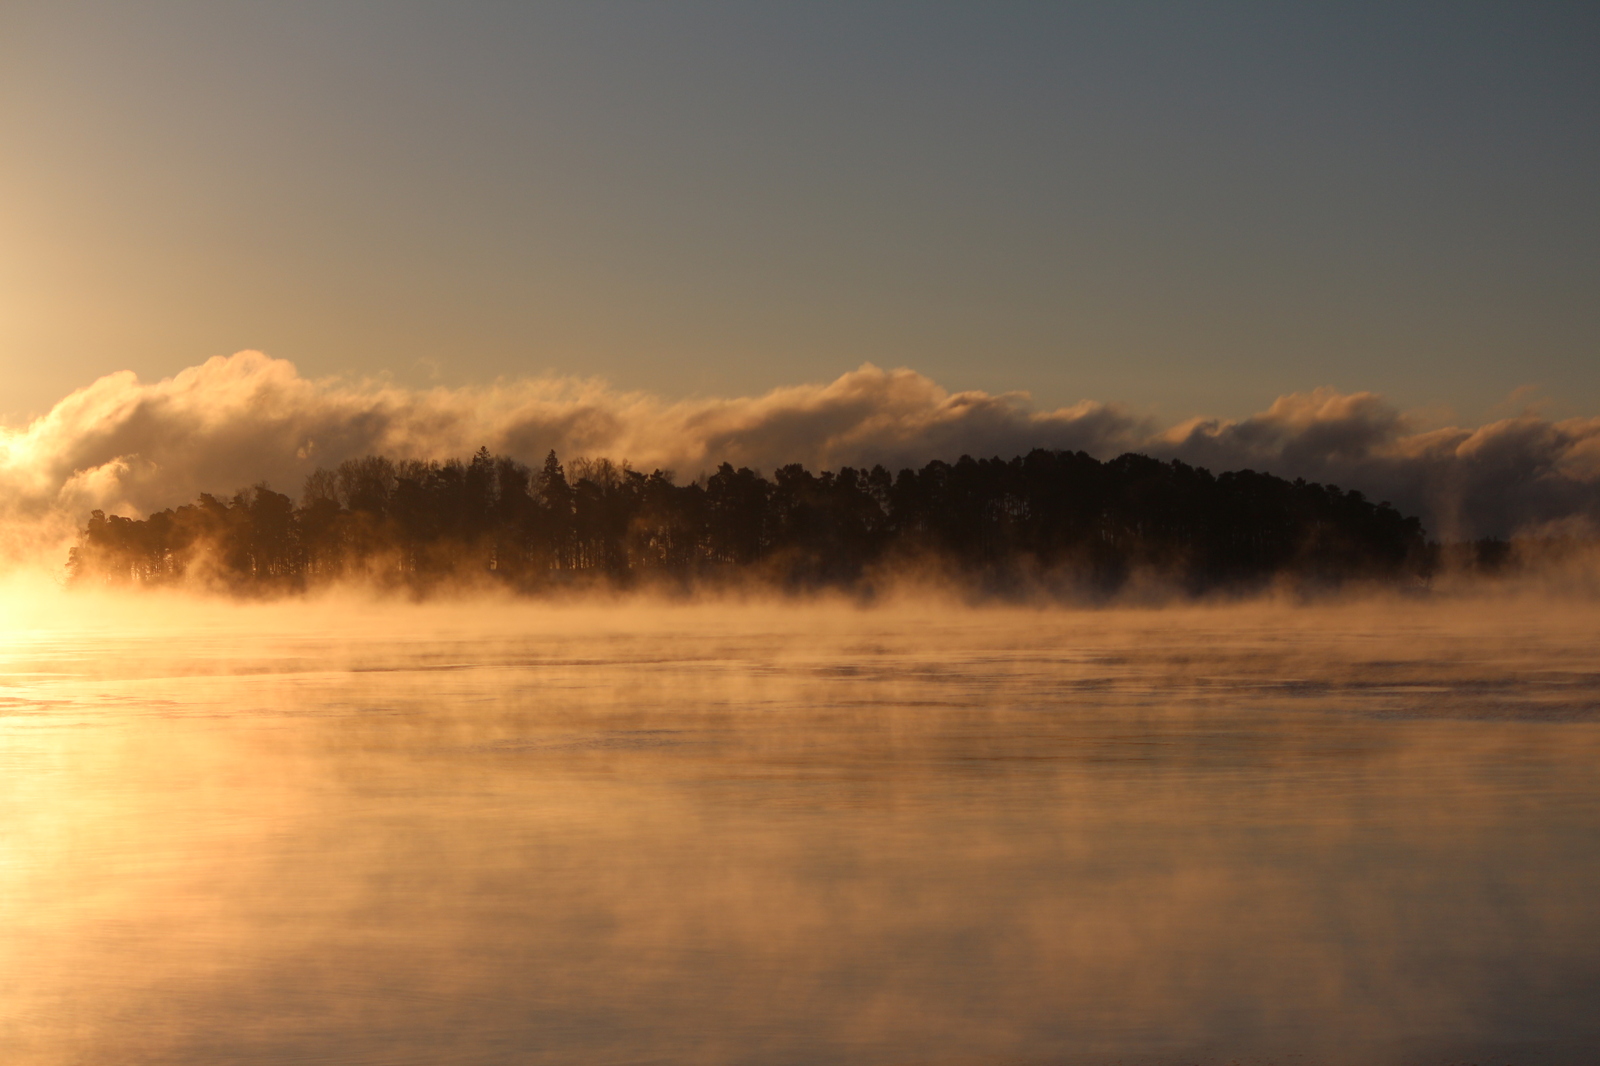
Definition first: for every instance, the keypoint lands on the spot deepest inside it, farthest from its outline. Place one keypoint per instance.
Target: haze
(478, 832)
(435, 756)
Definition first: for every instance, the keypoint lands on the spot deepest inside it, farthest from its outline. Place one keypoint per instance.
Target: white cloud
(123, 445)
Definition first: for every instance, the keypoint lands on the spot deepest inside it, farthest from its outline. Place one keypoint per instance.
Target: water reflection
(739, 835)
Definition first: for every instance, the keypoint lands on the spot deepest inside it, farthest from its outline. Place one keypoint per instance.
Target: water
(745, 834)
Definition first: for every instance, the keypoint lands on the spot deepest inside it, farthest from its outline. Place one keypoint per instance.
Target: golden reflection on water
(491, 834)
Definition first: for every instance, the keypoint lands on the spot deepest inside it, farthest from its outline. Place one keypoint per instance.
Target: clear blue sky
(1188, 208)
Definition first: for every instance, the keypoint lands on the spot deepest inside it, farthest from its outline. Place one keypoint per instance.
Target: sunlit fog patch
(565, 830)
(134, 448)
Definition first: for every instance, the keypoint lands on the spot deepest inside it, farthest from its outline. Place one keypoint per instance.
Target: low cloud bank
(129, 447)
(1526, 475)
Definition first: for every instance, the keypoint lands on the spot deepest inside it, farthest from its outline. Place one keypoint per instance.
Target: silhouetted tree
(419, 521)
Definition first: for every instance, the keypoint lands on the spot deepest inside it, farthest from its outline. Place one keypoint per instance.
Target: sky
(1186, 209)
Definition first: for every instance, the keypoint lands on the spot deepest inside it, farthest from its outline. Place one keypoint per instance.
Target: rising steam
(125, 446)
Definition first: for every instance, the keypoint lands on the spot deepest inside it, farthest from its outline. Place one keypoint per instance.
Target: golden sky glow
(1195, 211)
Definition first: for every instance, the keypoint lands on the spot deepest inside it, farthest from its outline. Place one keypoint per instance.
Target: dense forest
(1063, 517)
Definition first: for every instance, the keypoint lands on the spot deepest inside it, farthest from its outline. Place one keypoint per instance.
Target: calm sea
(799, 834)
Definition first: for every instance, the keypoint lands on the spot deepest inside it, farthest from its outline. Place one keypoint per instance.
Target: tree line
(418, 524)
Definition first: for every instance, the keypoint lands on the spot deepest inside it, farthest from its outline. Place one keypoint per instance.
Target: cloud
(131, 447)
(1516, 474)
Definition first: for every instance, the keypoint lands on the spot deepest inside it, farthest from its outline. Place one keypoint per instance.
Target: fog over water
(479, 831)
(546, 640)
(131, 447)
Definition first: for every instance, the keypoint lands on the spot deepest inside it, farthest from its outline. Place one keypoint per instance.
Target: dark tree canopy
(1063, 514)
